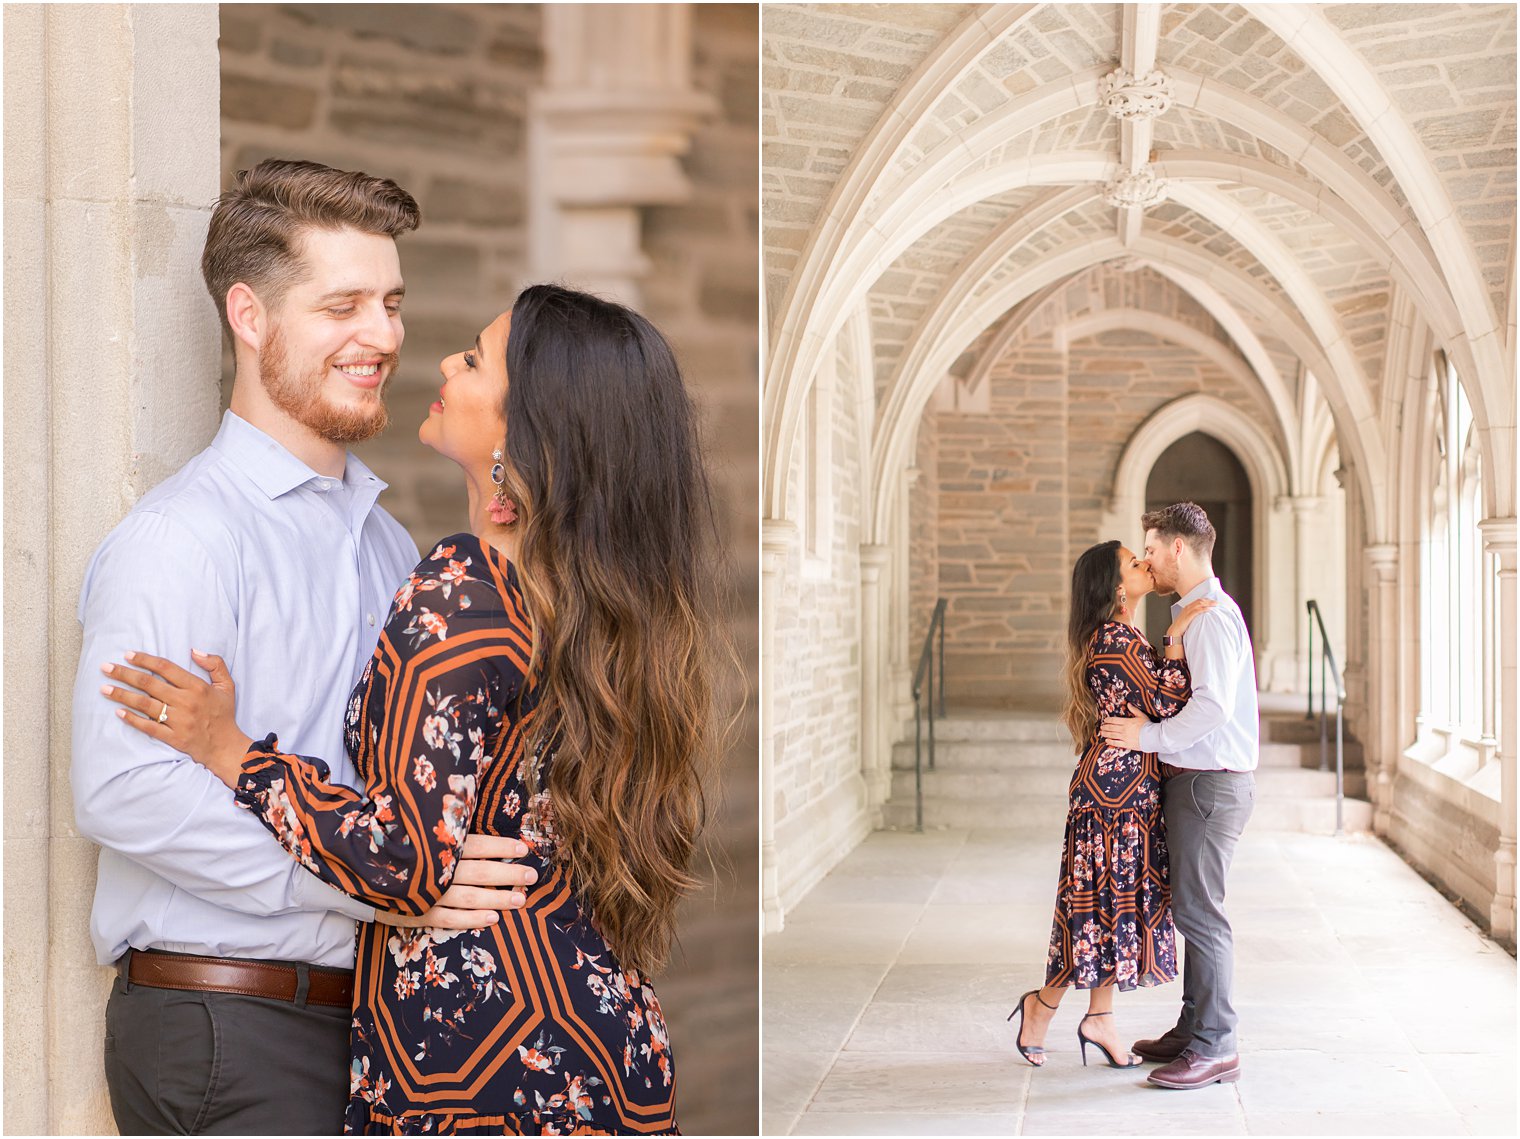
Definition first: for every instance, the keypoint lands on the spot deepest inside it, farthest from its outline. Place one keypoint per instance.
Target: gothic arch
(958, 318)
(1258, 454)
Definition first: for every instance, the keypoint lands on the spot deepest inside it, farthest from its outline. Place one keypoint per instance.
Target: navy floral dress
(529, 1026)
(1113, 920)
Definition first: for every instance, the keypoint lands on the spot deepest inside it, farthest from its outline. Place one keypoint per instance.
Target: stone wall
(110, 147)
(814, 677)
(1018, 490)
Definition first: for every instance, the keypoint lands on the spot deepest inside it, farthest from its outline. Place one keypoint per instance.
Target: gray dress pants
(199, 1063)
(1205, 814)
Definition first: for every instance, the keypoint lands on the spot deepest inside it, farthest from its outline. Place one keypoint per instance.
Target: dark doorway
(1199, 468)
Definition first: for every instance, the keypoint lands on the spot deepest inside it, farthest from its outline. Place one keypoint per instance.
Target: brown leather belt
(1168, 770)
(331, 987)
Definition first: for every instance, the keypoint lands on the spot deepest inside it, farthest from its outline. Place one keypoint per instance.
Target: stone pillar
(905, 658)
(778, 539)
(605, 139)
(875, 747)
(1499, 541)
(1307, 516)
(1382, 739)
(111, 366)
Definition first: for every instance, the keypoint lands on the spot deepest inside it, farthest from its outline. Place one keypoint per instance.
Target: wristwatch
(1168, 641)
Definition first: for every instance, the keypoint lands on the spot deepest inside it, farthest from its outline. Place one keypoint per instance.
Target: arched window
(1454, 602)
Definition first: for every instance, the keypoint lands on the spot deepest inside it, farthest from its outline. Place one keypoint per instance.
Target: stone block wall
(814, 675)
(1015, 493)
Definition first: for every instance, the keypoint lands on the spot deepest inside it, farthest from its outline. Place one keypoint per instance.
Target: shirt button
(371, 620)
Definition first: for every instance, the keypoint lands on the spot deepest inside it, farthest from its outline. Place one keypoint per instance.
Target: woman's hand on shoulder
(1188, 615)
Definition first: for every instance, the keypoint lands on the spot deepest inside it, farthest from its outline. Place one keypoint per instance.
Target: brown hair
(257, 226)
(619, 570)
(1095, 579)
(1185, 520)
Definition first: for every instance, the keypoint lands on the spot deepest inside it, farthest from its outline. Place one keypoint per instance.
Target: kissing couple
(1162, 790)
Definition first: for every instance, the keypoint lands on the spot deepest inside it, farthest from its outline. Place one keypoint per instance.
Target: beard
(302, 397)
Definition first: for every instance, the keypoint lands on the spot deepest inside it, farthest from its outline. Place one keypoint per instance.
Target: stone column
(1307, 515)
(111, 369)
(1499, 541)
(875, 748)
(778, 539)
(905, 658)
(605, 139)
(1383, 656)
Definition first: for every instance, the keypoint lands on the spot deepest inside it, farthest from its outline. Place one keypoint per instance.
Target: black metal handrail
(1328, 671)
(926, 668)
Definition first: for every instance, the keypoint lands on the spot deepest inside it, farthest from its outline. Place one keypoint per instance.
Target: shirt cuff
(314, 894)
(1150, 737)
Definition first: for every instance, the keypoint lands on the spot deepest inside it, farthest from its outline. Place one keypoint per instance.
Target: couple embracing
(485, 764)
(1164, 786)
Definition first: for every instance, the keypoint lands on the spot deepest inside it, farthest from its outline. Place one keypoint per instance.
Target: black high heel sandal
(1135, 1061)
(1032, 1050)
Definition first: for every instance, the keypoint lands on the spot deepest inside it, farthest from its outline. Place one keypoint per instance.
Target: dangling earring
(503, 510)
(1123, 605)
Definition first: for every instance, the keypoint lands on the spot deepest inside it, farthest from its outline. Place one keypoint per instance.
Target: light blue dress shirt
(248, 553)
(1219, 726)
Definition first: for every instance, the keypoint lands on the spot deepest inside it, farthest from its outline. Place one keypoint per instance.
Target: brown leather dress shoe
(1191, 1070)
(1164, 1049)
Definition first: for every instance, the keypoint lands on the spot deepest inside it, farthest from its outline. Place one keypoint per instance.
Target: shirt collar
(273, 469)
(1208, 587)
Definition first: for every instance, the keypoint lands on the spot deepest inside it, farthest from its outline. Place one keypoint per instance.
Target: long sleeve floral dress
(1113, 919)
(529, 1026)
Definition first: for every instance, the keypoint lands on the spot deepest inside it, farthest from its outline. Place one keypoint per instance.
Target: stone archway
(1199, 468)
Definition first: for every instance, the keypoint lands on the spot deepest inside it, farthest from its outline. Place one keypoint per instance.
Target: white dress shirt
(288, 575)
(1219, 726)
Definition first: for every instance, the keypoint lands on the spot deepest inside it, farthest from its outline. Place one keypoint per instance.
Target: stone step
(959, 726)
(1291, 727)
(988, 753)
(1002, 785)
(1005, 753)
(1314, 816)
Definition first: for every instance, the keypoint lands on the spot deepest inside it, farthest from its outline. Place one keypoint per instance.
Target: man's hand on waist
(484, 883)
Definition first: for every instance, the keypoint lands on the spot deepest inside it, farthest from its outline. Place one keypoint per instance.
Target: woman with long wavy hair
(548, 675)
(1113, 921)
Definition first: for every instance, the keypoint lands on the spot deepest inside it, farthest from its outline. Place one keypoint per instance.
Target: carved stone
(1132, 98)
(1140, 188)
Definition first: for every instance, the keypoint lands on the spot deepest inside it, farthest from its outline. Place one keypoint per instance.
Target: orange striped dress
(1113, 919)
(529, 1026)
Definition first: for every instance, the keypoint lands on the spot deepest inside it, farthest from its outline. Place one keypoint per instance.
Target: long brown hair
(1094, 582)
(618, 567)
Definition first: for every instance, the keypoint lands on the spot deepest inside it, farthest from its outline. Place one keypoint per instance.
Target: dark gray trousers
(198, 1063)
(1205, 814)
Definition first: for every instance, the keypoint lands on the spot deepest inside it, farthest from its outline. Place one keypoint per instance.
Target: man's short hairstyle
(1185, 520)
(258, 225)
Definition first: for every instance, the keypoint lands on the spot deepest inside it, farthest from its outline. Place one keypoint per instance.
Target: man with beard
(1208, 751)
(230, 1014)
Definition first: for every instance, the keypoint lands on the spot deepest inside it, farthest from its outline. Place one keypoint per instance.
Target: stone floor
(1368, 1004)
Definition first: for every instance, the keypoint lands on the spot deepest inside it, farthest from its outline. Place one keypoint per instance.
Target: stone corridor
(1368, 1004)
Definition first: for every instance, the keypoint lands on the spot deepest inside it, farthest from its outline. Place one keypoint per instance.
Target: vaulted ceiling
(1317, 176)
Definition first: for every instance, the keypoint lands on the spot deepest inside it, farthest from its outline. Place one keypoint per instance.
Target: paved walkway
(1368, 1004)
